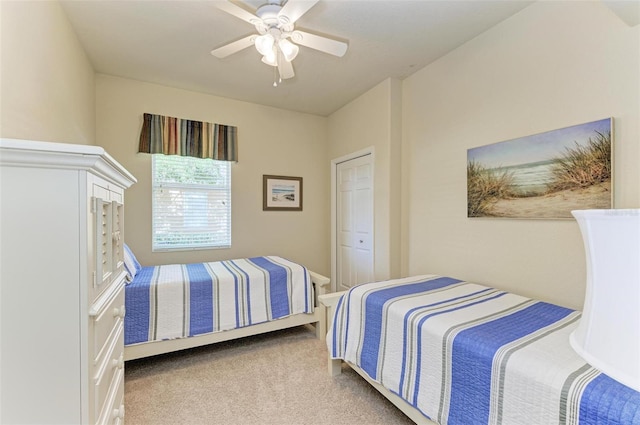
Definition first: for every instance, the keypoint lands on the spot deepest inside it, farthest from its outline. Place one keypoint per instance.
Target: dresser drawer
(113, 409)
(117, 410)
(107, 321)
(109, 377)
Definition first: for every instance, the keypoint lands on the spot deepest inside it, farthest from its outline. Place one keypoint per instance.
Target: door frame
(334, 204)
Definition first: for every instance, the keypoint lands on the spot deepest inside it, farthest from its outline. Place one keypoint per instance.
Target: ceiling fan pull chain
(275, 84)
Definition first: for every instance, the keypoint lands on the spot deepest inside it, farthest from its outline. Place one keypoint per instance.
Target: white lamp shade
(264, 44)
(608, 335)
(288, 49)
(270, 58)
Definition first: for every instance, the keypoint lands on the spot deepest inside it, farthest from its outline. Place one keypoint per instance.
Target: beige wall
(270, 141)
(374, 121)
(553, 65)
(47, 82)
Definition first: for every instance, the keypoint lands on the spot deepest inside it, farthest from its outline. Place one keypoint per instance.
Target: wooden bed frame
(327, 307)
(147, 349)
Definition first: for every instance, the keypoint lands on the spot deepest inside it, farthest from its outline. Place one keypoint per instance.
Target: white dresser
(61, 284)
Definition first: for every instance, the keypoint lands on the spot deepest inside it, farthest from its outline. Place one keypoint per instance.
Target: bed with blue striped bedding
(184, 300)
(463, 353)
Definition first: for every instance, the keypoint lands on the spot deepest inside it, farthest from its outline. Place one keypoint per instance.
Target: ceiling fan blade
(237, 11)
(233, 47)
(324, 44)
(285, 69)
(294, 9)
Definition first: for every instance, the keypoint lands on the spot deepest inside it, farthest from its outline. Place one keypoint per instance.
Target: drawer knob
(119, 362)
(118, 413)
(119, 312)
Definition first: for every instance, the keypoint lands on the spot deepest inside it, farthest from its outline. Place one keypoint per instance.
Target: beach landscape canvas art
(281, 193)
(546, 175)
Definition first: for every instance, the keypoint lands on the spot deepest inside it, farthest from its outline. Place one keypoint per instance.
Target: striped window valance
(176, 136)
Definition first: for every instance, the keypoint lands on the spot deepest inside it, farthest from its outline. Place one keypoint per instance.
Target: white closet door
(354, 222)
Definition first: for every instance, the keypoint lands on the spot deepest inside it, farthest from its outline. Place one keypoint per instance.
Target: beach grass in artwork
(542, 176)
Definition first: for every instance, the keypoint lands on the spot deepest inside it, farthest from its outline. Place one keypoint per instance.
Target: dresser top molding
(29, 153)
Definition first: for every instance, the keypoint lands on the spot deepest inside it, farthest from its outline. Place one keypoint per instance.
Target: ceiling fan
(277, 39)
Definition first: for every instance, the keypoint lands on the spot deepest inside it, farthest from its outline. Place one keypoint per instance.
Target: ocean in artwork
(531, 178)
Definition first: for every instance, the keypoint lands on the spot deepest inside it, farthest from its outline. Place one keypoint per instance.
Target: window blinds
(191, 203)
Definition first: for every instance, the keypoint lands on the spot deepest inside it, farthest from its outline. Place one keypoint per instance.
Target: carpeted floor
(276, 378)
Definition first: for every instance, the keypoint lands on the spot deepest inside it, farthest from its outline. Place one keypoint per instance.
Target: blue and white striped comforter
(183, 300)
(463, 353)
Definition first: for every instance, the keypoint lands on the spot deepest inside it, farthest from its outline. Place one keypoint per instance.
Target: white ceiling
(169, 43)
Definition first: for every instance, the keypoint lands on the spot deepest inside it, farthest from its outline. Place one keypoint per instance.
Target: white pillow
(131, 264)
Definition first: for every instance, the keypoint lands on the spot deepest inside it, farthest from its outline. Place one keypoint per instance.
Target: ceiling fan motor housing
(270, 17)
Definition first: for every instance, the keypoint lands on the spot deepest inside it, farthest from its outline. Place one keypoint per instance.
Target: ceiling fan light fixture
(288, 49)
(277, 40)
(270, 59)
(264, 44)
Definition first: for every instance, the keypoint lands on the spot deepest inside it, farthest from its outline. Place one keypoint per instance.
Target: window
(191, 203)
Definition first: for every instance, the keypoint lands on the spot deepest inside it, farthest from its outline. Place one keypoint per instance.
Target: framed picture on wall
(546, 175)
(281, 193)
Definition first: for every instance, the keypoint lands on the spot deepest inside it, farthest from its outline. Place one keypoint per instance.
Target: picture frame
(543, 176)
(281, 193)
